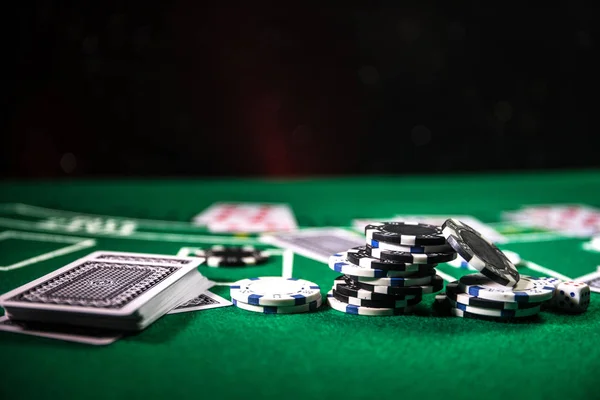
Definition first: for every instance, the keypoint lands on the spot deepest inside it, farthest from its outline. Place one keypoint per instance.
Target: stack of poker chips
(498, 291)
(392, 272)
(276, 295)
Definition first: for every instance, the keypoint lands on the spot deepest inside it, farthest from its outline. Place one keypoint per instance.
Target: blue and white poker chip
(275, 291)
(453, 293)
(488, 312)
(527, 290)
(339, 262)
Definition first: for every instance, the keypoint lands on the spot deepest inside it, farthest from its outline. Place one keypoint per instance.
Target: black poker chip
(233, 256)
(480, 253)
(405, 233)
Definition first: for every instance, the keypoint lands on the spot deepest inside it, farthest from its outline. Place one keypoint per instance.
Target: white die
(572, 297)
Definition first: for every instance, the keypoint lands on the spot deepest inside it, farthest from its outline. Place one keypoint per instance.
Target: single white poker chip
(303, 308)
(480, 252)
(527, 290)
(454, 293)
(490, 312)
(275, 291)
(339, 262)
(368, 311)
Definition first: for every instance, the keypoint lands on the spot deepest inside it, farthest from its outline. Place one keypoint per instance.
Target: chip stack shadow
(392, 272)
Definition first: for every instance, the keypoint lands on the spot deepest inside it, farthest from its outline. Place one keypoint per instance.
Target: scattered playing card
(247, 218)
(68, 333)
(316, 243)
(204, 301)
(592, 279)
(570, 219)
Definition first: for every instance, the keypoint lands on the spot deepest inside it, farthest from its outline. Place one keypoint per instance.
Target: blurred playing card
(316, 243)
(592, 279)
(570, 219)
(247, 218)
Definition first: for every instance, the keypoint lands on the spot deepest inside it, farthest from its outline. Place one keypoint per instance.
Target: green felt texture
(232, 353)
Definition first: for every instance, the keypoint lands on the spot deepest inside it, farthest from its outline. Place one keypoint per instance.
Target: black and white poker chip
(405, 233)
(411, 258)
(434, 286)
(360, 256)
(480, 253)
(233, 256)
(393, 303)
(346, 287)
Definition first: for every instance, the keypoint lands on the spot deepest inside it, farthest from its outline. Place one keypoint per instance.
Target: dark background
(183, 88)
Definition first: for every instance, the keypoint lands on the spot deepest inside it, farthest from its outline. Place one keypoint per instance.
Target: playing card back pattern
(97, 284)
(158, 260)
(202, 300)
(593, 281)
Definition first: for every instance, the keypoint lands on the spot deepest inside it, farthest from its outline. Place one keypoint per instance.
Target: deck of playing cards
(108, 290)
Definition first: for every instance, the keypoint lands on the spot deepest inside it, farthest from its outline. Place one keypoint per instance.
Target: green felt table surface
(232, 353)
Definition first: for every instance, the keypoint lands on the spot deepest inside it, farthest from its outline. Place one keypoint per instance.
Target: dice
(571, 297)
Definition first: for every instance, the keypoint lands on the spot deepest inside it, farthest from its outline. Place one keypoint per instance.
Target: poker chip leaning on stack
(276, 295)
(392, 272)
(498, 292)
